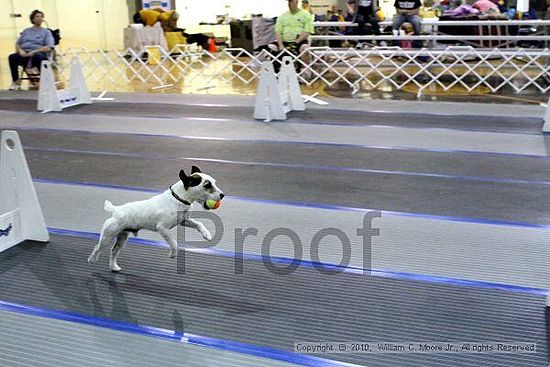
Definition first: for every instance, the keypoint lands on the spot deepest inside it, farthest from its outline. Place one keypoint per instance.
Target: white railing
(431, 38)
(489, 31)
(464, 67)
(435, 21)
(470, 69)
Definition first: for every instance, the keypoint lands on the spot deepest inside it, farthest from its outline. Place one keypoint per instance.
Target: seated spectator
(307, 7)
(32, 47)
(461, 11)
(336, 14)
(407, 11)
(502, 7)
(364, 12)
(292, 30)
(406, 30)
(486, 6)
(443, 6)
(428, 10)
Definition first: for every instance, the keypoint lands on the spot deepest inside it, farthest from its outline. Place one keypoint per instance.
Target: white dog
(159, 213)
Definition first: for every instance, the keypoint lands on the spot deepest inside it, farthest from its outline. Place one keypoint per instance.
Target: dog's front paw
(92, 259)
(173, 254)
(206, 234)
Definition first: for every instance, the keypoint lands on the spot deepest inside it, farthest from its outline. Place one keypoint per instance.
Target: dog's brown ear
(195, 169)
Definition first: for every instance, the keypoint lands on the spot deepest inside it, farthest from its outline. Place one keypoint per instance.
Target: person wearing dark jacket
(408, 11)
(364, 11)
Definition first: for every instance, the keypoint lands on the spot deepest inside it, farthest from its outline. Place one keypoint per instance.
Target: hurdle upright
(21, 217)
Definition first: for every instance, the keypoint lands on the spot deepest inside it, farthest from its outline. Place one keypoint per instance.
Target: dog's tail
(109, 207)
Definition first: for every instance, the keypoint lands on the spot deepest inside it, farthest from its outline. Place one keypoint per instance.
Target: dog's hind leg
(121, 240)
(109, 231)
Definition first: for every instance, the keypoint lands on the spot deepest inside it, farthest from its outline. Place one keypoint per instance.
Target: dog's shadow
(122, 284)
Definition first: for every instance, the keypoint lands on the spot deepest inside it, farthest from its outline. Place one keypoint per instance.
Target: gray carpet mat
(428, 195)
(339, 157)
(59, 343)
(448, 140)
(410, 244)
(260, 308)
(310, 116)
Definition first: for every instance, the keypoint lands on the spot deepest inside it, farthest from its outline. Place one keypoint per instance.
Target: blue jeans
(416, 23)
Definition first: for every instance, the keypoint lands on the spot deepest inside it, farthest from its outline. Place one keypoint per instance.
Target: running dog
(159, 213)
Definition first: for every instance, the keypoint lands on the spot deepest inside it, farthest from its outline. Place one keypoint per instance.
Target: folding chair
(32, 74)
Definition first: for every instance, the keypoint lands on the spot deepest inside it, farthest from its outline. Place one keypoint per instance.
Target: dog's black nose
(222, 196)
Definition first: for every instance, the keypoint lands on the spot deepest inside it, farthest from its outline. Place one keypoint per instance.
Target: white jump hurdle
(546, 126)
(51, 99)
(21, 217)
(275, 98)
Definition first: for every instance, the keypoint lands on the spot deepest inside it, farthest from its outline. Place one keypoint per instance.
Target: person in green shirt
(292, 30)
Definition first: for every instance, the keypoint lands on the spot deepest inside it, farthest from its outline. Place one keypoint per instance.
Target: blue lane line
(311, 206)
(203, 341)
(89, 320)
(264, 352)
(267, 141)
(284, 262)
(295, 166)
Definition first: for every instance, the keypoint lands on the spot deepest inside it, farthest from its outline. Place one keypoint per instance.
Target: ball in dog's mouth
(210, 204)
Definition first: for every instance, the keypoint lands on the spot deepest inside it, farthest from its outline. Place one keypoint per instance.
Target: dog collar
(178, 198)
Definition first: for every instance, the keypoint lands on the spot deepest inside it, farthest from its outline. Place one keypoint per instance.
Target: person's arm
(416, 10)
(302, 37)
(278, 34)
(279, 40)
(21, 52)
(308, 29)
(41, 49)
(18, 48)
(396, 5)
(48, 44)
(355, 10)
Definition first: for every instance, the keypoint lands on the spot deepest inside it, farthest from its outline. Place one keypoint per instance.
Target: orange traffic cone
(212, 45)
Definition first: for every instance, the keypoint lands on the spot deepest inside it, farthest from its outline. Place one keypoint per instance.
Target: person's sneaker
(383, 44)
(15, 86)
(359, 45)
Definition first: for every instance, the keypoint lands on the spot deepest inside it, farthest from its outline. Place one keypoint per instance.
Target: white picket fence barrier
(466, 67)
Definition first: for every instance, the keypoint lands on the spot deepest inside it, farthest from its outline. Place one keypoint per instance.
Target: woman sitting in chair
(32, 47)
